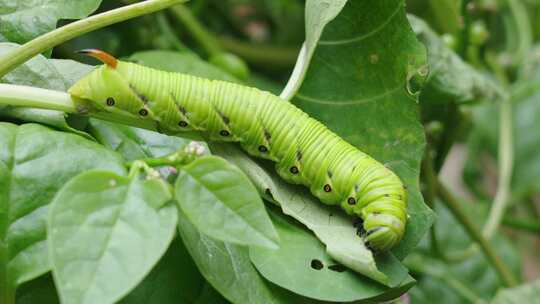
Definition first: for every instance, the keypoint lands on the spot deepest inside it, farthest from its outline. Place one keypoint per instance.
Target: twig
(47, 41)
(504, 273)
(526, 225)
(197, 30)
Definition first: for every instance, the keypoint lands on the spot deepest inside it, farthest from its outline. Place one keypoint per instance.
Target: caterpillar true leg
(304, 150)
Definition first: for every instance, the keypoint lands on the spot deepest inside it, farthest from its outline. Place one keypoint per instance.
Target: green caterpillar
(304, 150)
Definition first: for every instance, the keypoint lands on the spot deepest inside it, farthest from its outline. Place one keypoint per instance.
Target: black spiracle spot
(294, 170)
(327, 188)
(263, 149)
(337, 268)
(317, 264)
(183, 124)
(224, 133)
(351, 201)
(143, 112)
(110, 101)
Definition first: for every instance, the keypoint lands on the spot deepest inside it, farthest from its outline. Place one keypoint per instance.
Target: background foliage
(422, 86)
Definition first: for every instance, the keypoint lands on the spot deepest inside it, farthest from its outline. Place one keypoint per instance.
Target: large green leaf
(34, 163)
(106, 232)
(302, 265)
(47, 74)
(361, 89)
(227, 267)
(221, 202)
(21, 21)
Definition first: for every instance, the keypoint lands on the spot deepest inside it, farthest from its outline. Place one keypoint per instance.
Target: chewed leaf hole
(317, 264)
(337, 268)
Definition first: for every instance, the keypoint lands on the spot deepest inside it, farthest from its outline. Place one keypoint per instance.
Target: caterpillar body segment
(304, 150)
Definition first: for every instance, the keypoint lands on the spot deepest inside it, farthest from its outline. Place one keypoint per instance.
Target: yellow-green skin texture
(304, 150)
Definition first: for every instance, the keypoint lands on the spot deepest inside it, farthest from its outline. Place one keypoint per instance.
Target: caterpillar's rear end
(304, 150)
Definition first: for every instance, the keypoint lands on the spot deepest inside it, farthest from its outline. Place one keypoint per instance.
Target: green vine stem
(203, 37)
(505, 160)
(47, 41)
(25, 96)
(459, 213)
(280, 57)
(429, 196)
(262, 55)
(528, 225)
(181, 157)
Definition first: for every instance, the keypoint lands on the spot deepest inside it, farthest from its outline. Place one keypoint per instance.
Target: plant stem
(180, 157)
(203, 37)
(505, 163)
(527, 225)
(504, 273)
(47, 41)
(428, 174)
(262, 55)
(25, 96)
(464, 34)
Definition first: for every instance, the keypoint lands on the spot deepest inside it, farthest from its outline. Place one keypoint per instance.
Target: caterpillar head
(105, 89)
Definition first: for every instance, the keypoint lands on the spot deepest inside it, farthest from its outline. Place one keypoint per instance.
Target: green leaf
(302, 265)
(106, 232)
(34, 163)
(133, 143)
(361, 89)
(24, 20)
(175, 279)
(450, 78)
(222, 203)
(332, 226)
(227, 267)
(47, 74)
(521, 294)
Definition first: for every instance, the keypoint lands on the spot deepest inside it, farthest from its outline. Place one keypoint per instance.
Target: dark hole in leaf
(316, 264)
(337, 268)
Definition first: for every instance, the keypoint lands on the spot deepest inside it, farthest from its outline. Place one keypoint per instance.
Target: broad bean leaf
(175, 279)
(221, 202)
(106, 232)
(363, 90)
(302, 265)
(333, 227)
(521, 294)
(21, 21)
(474, 272)
(47, 74)
(227, 267)
(450, 78)
(35, 162)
